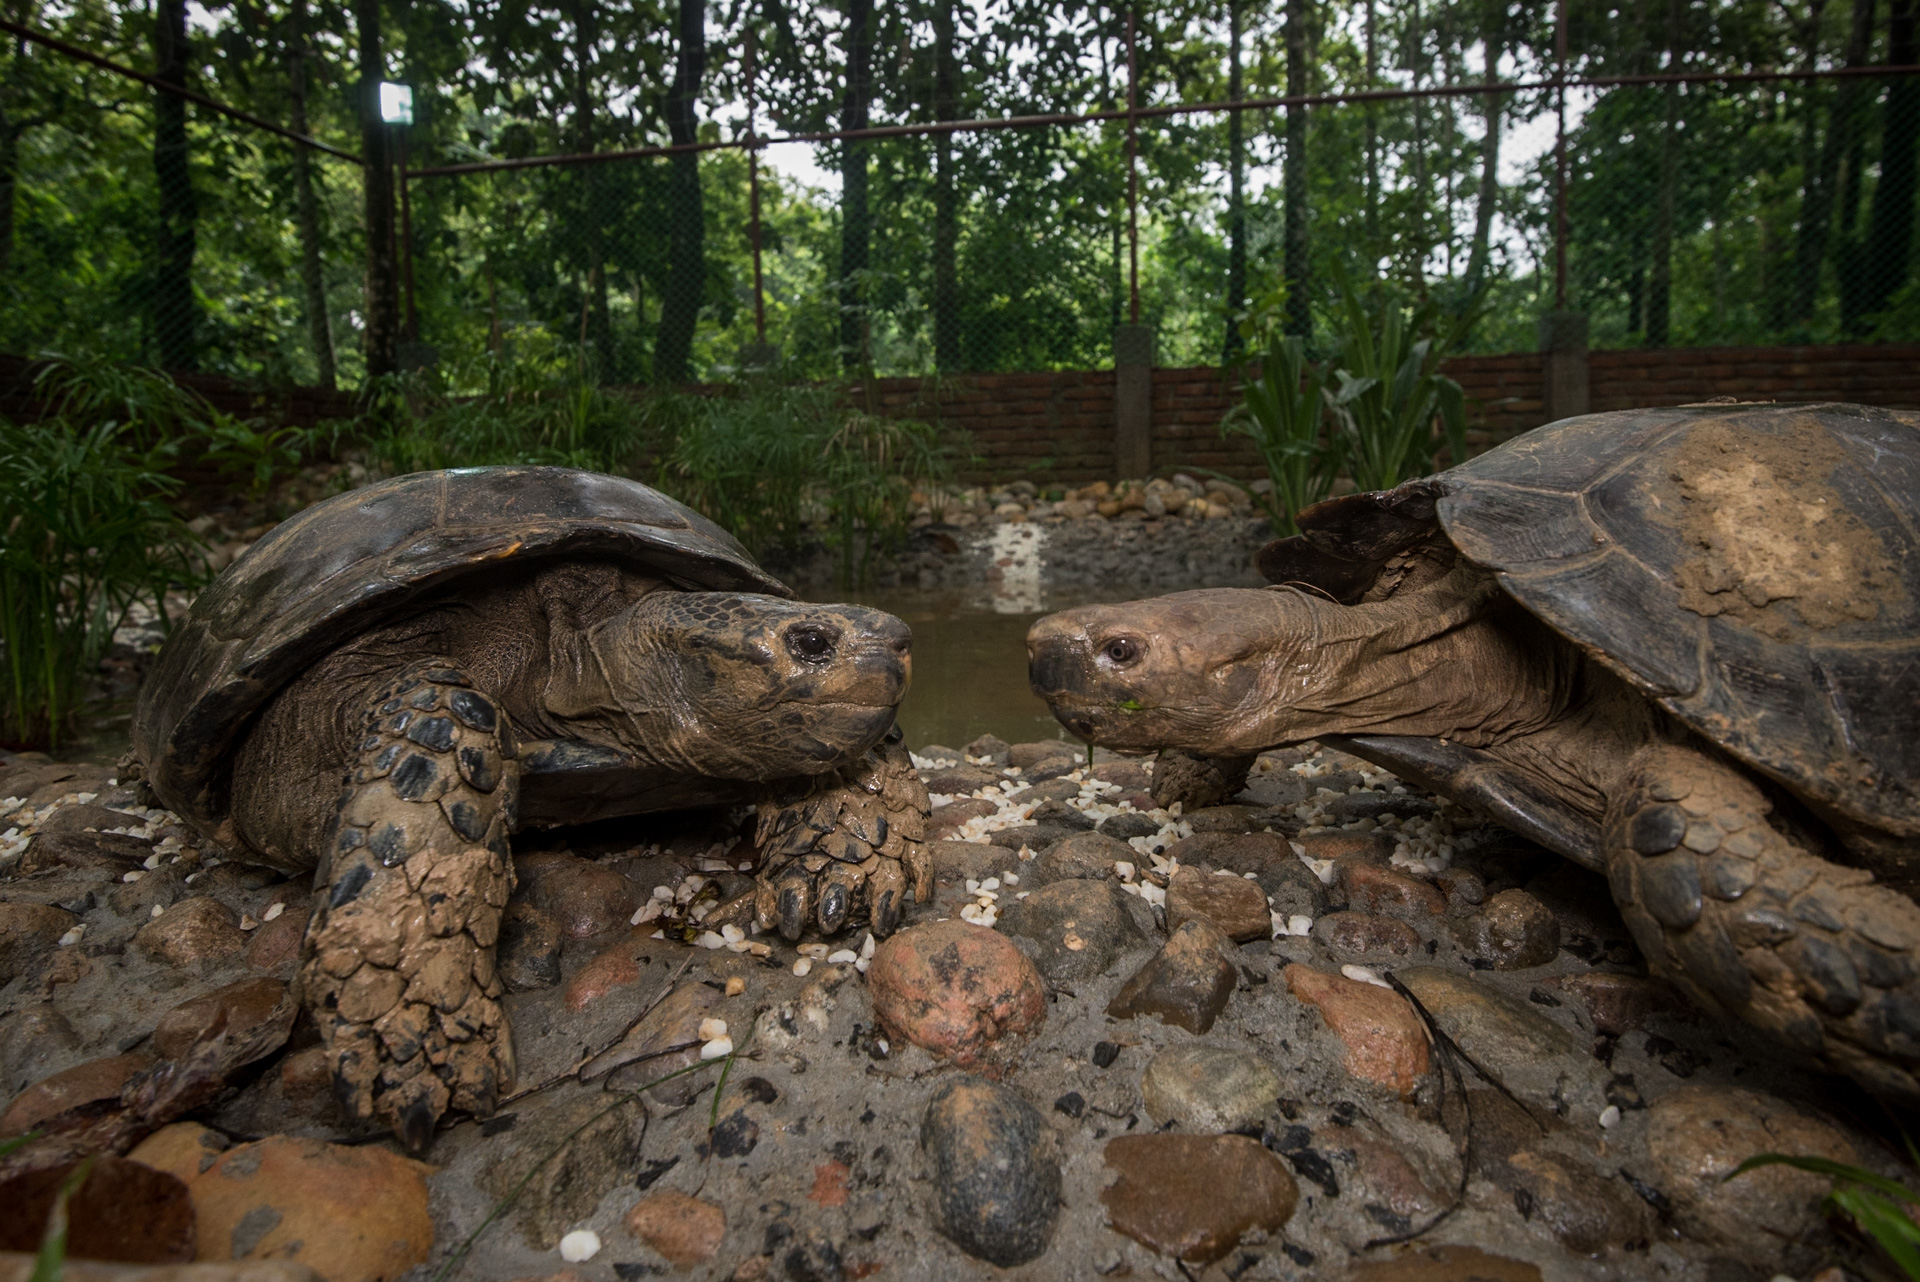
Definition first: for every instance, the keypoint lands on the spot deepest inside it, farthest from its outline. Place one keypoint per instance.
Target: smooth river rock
(1077, 928)
(1194, 1196)
(1385, 1039)
(1209, 1088)
(995, 1170)
(1512, 930)
(353, 1214)
(962, 992)
(1697, 1136)
(1187, 983)
(1233, 903)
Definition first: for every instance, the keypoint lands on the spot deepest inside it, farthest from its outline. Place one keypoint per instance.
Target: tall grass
(770, 461)
(527, 404)
(89, 530)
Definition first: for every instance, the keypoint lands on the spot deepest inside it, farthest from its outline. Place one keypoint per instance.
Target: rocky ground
(1329, 1029)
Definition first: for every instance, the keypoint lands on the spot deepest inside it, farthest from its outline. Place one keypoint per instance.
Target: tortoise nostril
(903, 646)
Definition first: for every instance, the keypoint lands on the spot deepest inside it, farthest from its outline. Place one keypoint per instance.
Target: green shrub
(1282, 411)
(768, 460)
(527, 404)
(88, 534)
(1389, 395)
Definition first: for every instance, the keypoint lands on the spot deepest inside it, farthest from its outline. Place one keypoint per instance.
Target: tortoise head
(1190, 670)
(734, 685)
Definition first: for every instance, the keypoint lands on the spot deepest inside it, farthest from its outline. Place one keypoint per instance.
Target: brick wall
(1057, 427)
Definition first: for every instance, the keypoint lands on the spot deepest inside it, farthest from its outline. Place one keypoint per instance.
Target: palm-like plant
(1390, 393)
(1282, 411)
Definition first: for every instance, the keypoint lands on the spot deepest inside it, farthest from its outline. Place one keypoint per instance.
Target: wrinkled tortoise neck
(1434, 661)
(625, 681)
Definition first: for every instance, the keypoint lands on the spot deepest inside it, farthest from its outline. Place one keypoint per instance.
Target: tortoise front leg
(1748, 921)
(844, 844)
(398, 963)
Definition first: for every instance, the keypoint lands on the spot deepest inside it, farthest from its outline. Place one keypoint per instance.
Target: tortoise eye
(1121, 651)
(811, 643)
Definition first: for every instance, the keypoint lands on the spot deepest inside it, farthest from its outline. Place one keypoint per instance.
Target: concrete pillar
(1563, 345)
(1132, 401)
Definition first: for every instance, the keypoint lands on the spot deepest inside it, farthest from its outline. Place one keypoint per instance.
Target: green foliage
(1282, 410)
(766, 460)
(90, 532)
(1877, 1206)
(1389, 393)
(532, 403)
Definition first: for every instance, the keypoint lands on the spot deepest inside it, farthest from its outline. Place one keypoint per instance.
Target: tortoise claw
(834, 905)
(886, 914)
(415, 1124)
(792, 899)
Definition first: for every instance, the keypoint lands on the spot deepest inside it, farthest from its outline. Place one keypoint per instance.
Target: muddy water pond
(969, 673)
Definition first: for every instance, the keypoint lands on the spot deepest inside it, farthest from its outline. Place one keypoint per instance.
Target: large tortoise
(1679, 646)
(388, 684)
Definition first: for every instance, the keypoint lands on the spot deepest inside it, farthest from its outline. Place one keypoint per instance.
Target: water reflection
(970, 667)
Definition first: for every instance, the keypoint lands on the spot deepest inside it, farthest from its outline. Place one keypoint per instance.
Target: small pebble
(1364, 976)
(736, 986)
(712, 1030)
(579, 1246)
(1610, 1117)
(803, 967)
(72, 937)
(273, 912)
(842, 957)
(718, 1048)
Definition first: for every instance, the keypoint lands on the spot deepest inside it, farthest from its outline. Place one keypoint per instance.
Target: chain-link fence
(1656, 176)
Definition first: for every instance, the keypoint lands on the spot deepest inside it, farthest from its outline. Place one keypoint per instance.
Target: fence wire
(1752, 208)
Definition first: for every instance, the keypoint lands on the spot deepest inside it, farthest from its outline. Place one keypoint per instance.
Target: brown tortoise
(390, 683)
(1679, 646)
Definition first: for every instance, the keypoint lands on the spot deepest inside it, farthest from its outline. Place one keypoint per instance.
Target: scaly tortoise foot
(845, 845)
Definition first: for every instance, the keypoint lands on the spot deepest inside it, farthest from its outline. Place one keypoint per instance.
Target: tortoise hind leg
(398, 963)
(1751, 922)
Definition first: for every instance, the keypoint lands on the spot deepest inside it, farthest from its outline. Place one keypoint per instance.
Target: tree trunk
(1494, 41)
(175, 313)
(9, 185)
(1660, 268)
(1818, 199)
(856, 228)
(946, 212)
(593, 230)
(1236, 195)
(1293, 176)
(1372, 112)
(305, 205)
(1890, 224)
(382, 333)
(687, 238)
(1416, 64)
